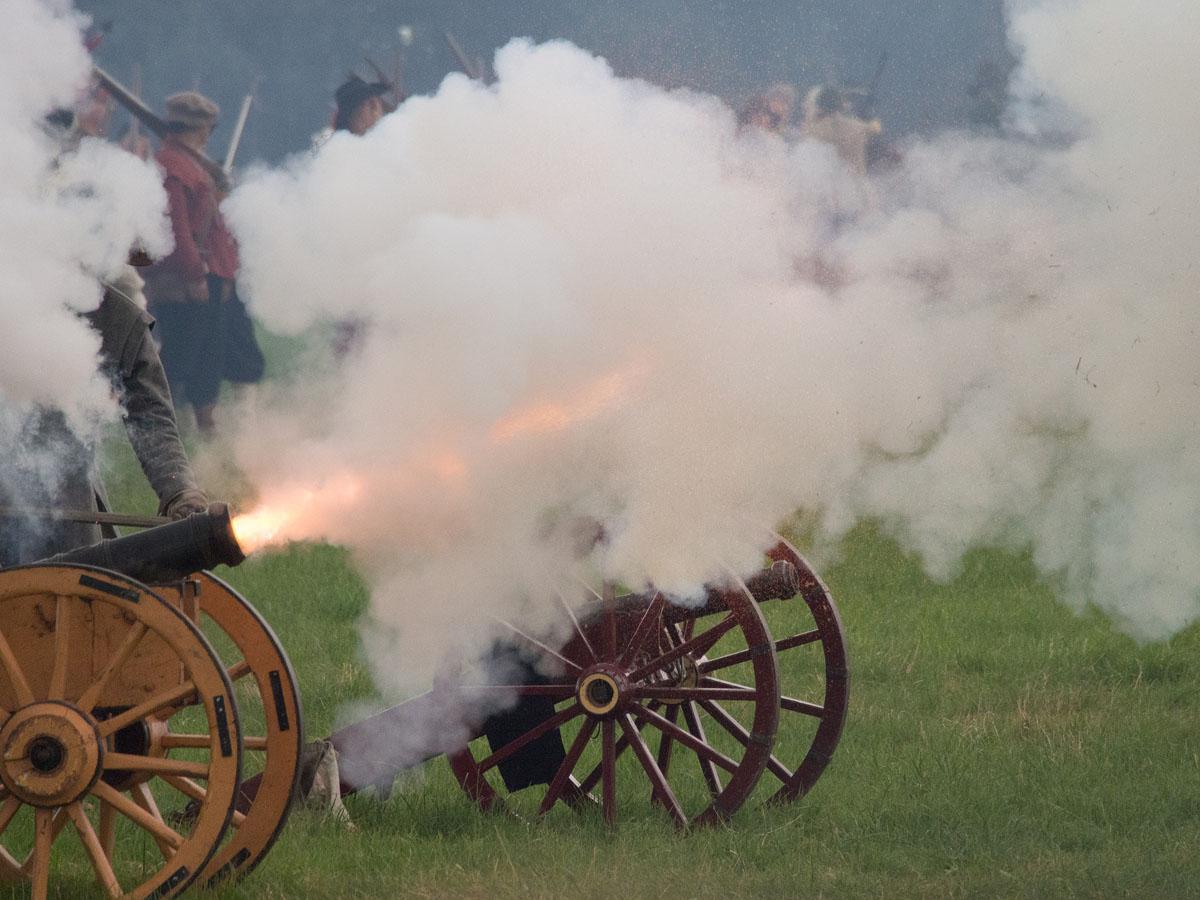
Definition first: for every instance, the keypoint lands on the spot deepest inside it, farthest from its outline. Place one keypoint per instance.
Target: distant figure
(360, 105)
(829, 118)
(772, 111)
(192, 292)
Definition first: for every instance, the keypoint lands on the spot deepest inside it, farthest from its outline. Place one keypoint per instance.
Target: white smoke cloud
(66, 218)
(1003, 359)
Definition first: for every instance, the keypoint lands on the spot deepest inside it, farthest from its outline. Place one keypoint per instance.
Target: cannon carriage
(131, 714)
(146, 706)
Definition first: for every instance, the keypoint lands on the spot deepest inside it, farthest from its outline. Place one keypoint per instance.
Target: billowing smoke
(581, 296)
(69, 213)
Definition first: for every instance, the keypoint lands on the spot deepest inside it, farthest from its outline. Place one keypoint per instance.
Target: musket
(873, 85)
(393, 86)
(85, 516)
(238, 128)
(464, 62)
(156, 124)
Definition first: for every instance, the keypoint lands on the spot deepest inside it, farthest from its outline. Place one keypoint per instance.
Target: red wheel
(623, 683)
(813, 674)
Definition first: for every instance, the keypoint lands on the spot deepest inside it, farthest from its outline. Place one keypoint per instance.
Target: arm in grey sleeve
(150, 422)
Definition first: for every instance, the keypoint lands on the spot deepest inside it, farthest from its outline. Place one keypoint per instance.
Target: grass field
(997, 745)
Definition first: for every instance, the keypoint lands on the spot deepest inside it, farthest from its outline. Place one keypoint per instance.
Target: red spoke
(743, 737)
(541, 646)
(791, 704)
(647, 623)
(694, 744)
(608, 764)
(696, 646)
(707, 769)
(578, 628)
(653, 772)
(796, 640)
(610, 620)
(563, 776)
(683, 694)
(529, 737)
(664, 741)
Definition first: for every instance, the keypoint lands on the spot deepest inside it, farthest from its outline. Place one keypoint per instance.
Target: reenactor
(204, 331)
(829, 117)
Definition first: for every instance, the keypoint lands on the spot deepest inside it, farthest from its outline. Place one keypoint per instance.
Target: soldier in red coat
(192, 292)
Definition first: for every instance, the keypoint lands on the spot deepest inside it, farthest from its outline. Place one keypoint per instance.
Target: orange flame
(548, 417)
(295, 512)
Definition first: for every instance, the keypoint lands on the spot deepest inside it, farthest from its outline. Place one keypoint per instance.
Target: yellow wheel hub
(52, 754)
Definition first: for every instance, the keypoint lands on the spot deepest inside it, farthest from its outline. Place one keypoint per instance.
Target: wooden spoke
(157, 765)
(608, 768)
(797, 640)
(696, 646)
(682, 694)
(172, 741)
(665, 744)
(530, 736)
(43, 842)
(742, 656)
(541, 646)
(8, 809)
(563, 776)
(15, 674)
(238, 671)
(742, 736)
(707, 769)
(791, 704)
(136, 814)
(578, 628)
(57, 823)
(190, 789)
(108, 828)
(683, 737)
(145, 799)
(95, 850)
(90, 697)
(147, 708)
(644, 627)
(657, 778)
(62, 648)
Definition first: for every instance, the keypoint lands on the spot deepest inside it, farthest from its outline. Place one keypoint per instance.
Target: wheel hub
(602, 691)
(52, 754)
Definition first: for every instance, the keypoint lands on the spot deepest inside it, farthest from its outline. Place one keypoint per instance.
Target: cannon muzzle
(166, 552)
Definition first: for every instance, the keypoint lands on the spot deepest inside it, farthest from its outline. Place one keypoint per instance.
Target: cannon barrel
(166, 552)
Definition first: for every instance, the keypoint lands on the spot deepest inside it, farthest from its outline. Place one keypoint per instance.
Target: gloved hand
(185, 503)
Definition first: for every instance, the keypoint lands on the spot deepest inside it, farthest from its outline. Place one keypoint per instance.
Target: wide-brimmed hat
(354, 91)
(191, 109)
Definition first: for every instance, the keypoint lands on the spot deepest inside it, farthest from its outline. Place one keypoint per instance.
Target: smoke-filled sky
(587, 295)
(298, 52)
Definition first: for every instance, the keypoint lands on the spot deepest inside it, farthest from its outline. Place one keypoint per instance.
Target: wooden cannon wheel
(94, 668)
(268, 701)
(813, 676)
(616, 689)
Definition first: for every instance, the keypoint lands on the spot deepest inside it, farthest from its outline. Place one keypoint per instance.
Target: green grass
(997, 745)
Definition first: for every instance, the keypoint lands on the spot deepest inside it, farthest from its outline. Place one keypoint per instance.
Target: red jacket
(203, 243)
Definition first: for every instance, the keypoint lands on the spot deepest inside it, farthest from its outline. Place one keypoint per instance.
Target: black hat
(353, 93)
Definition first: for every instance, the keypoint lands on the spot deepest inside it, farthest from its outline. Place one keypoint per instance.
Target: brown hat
(190, 109)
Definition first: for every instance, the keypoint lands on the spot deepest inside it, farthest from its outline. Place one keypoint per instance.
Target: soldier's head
(192, 117)
(780, 99)
(359, 105)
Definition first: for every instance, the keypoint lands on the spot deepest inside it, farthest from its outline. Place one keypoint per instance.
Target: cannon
(137, 691)
(701, 696)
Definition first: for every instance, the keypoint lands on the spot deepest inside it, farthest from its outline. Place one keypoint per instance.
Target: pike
(156, 124)
(239, 127)
(469, 68)
(86, 516)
